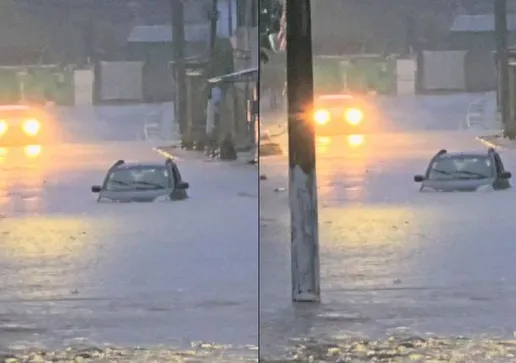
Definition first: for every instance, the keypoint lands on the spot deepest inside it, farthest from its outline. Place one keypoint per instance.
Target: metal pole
(178, 46)
(214, 17)
(230, 18)
(500, 12)
(302, 179)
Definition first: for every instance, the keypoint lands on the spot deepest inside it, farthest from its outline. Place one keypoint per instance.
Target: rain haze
(91, 91)
(405, 274)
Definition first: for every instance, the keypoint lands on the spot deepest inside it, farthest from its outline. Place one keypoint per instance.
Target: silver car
(464, 172)
(135, 182)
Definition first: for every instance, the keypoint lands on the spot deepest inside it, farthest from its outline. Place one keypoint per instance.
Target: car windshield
(140, 178)
(334, 102)
(17, 113)
(461, 167)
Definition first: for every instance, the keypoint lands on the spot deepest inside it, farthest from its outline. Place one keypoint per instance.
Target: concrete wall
(444, 70)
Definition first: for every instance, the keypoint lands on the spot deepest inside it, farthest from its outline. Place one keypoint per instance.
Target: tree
(270, 24)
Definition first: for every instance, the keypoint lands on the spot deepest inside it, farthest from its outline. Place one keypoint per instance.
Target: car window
(138, 179)
(461, 167)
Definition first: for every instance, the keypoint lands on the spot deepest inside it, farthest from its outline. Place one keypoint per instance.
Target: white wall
(83, 87)
(406, 70)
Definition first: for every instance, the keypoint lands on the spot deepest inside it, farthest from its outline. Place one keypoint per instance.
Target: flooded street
(394, 262)
(168, 277)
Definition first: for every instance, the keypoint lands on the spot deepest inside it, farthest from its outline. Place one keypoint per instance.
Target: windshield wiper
(480, 175)
(119, 182)
(442, 172)
(150, 184)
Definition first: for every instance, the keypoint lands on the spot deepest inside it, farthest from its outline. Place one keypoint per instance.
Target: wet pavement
(178, 278)
(394, 262)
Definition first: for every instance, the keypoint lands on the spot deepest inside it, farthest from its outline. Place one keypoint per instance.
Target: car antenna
(442, 151)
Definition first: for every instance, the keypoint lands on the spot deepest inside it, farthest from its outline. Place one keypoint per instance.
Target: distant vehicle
(464, 172)
(22, 124)
(139, 182)
(339, 113)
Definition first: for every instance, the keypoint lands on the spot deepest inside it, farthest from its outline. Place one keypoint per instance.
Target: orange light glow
(3, 127)
(322, 117)
(323, 140)
(356, 140)
(354, 116)
(32, 151)
(31, 127)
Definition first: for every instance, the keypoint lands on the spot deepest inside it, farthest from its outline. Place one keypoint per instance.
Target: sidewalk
(273, 124)
(174, 151)
(497, 141)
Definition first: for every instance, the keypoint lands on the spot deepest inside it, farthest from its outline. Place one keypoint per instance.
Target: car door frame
(499, 183)
(176, 194)
(175, 175)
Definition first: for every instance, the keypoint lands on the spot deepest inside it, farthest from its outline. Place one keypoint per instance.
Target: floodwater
(178, 279)
(403, 274)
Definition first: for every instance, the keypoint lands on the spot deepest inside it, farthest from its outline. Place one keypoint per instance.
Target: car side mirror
(182, 186)
(506, 175)
(419, 178)
(96, 189)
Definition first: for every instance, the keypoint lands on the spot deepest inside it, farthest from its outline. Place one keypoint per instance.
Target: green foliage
(270, 16)
(39, 84)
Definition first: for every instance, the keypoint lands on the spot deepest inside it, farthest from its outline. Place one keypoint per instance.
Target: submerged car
(465, 172)
(142, 182)
(22, 124)
(340, 113)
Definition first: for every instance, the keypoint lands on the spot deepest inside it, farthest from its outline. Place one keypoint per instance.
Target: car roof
(471, 154)
(15, 108)
(127, 166)
(338, 96)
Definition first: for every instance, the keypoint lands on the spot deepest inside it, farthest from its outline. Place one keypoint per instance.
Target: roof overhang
(247, 75)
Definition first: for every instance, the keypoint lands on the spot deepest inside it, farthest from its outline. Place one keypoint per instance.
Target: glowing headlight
(354, 116)
(322, 117)
(31, 127)
(3, 127)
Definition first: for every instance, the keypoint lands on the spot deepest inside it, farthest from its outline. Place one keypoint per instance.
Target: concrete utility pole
(500, 14)
(302, 180)
(178, 45)
(214, 17)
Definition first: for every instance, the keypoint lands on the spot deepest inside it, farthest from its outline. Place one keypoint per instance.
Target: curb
(165, 153)
(488, 143)
(200, 157)
(492, 142)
